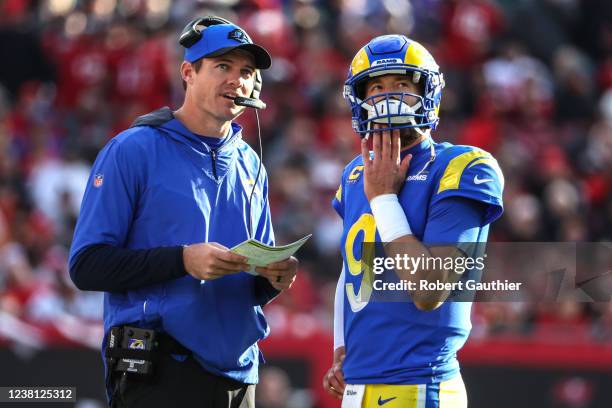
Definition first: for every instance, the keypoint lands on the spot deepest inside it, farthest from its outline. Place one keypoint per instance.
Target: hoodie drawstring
(213, 155)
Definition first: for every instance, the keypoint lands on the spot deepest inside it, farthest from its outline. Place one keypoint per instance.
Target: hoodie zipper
(213, 155)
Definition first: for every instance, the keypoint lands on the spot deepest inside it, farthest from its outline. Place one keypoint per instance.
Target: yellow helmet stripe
(360, 62)
(418, 56)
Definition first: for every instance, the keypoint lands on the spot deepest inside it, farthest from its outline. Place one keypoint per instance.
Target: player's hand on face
(333, 381)
(280, 274)
(384, 173)
(208, 261)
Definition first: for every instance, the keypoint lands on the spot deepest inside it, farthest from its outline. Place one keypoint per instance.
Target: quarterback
(418, 198)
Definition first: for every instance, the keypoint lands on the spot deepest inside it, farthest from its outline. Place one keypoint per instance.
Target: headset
(193, 32)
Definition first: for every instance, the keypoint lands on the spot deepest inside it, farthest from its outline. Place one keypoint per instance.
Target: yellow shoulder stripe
(339, 193)
(452, 175)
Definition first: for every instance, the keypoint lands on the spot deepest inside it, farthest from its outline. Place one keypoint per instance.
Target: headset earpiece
(257, 85)
(192, 31)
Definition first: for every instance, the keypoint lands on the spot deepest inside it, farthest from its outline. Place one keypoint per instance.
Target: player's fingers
(376, 145)
(405, 164)
(396, 145)
(339, 378)
(337, 370)
(336, 384)
(335, 394)
(365, 153)
(386, 145)
(329, 388)
(326, 381)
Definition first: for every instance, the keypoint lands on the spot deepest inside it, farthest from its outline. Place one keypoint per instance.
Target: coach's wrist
(390, 218)
(186, 257)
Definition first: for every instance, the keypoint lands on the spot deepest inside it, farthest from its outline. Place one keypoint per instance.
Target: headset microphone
(256, 104)
(249, 102)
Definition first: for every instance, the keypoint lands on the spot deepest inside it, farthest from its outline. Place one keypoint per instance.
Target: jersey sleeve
(474, 174)
(454, 220)
(110, 199)
(338, 200)
(339, 312)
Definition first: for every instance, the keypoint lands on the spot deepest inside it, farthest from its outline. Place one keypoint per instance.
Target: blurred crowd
(528, 80)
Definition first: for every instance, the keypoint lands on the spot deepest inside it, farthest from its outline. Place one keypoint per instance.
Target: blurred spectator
(20, 42)
(274, 389)
(470, 26)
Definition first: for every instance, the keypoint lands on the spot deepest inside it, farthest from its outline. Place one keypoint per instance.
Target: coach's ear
(187, 72)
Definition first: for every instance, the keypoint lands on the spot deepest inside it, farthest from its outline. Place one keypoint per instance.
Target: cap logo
(238, 35)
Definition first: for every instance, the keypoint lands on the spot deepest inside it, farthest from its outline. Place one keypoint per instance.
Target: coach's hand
(333, 381)
(280, 274)
(211, 260)
(384, 173)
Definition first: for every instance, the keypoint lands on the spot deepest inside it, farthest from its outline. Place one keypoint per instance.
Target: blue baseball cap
(220, 39)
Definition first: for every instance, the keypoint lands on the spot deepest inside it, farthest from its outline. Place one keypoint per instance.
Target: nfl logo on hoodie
(98, 180)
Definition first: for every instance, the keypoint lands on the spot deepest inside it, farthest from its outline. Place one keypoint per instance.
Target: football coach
(165, 200)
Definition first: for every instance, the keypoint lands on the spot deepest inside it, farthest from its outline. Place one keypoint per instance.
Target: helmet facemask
(396, 110)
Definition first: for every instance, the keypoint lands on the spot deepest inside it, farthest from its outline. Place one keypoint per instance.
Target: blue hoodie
(159, 185)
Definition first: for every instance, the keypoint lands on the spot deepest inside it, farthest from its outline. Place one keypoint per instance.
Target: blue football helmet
(394, 54)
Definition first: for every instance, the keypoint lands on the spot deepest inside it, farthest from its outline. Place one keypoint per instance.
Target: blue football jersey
(394, 342)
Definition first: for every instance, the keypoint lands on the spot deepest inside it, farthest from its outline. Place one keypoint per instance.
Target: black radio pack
(131, 350)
